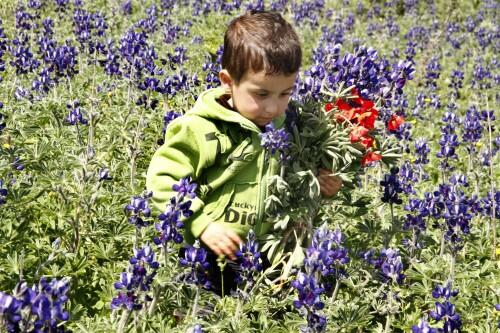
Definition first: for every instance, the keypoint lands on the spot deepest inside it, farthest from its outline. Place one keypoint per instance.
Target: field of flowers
(398, 97)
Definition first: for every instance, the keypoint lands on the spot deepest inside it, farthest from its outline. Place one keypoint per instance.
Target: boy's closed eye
(265, 94)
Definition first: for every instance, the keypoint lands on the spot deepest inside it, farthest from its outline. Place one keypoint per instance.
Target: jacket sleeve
(186, 152)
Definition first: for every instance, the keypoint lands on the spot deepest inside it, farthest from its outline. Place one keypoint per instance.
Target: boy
(217, 142)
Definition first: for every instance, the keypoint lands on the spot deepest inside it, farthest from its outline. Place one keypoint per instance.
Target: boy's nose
(272, 109)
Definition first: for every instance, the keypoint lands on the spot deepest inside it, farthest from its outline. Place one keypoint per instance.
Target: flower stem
(195, 304)
(221, 262)
(388, 234)
(152, 306)
(441, 252)
(452, 266)
(123, 321)
(388, 320)
(413, 242)
(492, 221)
(134, 149)
(335, 291)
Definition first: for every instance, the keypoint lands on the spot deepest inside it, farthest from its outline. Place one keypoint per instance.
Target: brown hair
(260, 40)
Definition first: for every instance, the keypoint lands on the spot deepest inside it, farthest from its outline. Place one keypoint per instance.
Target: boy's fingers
(233, 237)
(227, 251)
(216, 250)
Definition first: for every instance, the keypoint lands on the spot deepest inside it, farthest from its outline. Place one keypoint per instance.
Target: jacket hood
(207, 107)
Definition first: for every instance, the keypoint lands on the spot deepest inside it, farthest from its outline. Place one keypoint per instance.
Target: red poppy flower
(360, 134)
(367, 119)
(395, 122)
(357, 110)
(357, 133)
(367, 141)
(348, 115)
(328, 107)
(370, 158)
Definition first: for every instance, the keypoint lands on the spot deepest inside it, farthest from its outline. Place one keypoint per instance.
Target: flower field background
(409, 245)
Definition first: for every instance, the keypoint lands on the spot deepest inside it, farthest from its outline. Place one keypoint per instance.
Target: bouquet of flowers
(340, 129)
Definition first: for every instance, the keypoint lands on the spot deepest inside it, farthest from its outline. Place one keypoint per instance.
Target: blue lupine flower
(488, 202)
(481, 76)
(170, 220)
(88, 28)
(324, 258)
(197, 329)
(433, 71)
(446, 311)
(421, 150)
(104, 175)
(63, 61)
(111, 63)
(389, 264)
(178, 58)
(35, 4)
(276, 140)
(408, 176)
(423, 327)
(2, 123)
(472, 128)
(392, 187)
(213, 67)
(3, 193)
(309, 292)
(75, 116)
(445, 292)
(326, 255)
(126, 7)
(136, 281)
(185, 188)
(45, 81)
(307, 12)
(449, 140)
(40, 307)
(138, 210)
(10, 311)
(457, 78)
(315, 323)
(447, 202)
(195, 257)
(249, 261)
(17, 164)
(23, 61)
(139, 56)
(167, 119)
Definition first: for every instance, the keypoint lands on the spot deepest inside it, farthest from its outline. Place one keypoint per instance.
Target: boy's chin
(263, 123)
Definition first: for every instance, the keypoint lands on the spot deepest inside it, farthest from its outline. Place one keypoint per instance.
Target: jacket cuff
(197, 223)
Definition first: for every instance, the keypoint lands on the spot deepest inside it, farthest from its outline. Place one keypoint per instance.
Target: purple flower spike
(276, 140)
(249, 260)
(170, 220)
(392, 187)
(136, 281)
(423, 327)
(138, 210)
(195, 258)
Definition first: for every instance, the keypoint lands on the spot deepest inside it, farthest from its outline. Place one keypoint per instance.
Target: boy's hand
(328, 185)
(221, 240)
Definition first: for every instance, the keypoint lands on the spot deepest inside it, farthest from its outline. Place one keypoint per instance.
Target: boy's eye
(262, 94)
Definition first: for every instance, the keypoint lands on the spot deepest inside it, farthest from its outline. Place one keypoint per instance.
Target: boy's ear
(225, 79)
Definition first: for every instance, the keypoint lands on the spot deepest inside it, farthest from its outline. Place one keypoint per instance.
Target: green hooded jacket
(221, 151)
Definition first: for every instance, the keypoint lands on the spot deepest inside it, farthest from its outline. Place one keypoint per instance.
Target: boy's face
(259, 97)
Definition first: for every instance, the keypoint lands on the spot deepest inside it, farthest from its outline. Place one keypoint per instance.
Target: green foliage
(60, 220)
